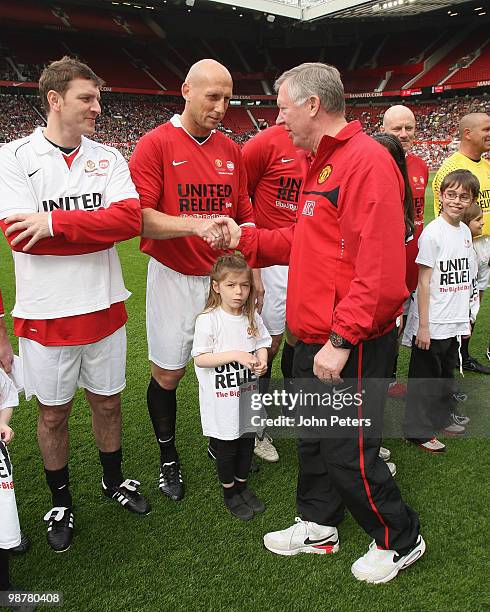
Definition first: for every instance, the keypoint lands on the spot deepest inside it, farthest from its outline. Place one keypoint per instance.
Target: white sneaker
(453, 430)
(266, 450)
(391, 467)
(384, 453)
(305, 537)
(378, 566)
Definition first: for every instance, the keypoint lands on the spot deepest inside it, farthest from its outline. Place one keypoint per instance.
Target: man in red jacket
(64, 201)
(346, 288)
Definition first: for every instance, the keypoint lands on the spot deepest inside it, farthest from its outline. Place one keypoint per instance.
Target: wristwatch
(339, 342)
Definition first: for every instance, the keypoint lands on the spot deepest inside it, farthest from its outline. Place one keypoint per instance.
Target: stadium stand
(477, 70)
(441, 70)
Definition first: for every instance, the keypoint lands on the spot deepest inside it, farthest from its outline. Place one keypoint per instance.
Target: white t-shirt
(220, 388)
(34, 177)
(9, 519)
(475, 292)
(481, 247)
(448, 251)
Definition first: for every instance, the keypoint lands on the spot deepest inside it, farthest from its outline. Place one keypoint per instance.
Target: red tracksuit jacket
(346, 253)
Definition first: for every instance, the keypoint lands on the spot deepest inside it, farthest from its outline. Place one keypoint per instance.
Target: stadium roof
(308, 10)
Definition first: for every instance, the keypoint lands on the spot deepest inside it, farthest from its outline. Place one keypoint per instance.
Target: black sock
(465, 349)
(264, 380)
(162, 406)
(111, 467)
(287, 361)
(240, 485)
(228, 492)
(4, 570)
(59, 483)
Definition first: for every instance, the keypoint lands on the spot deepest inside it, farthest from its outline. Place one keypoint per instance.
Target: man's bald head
(399, 120)
(470, 121)
(207, 70)
(207, 91)
(474, 133)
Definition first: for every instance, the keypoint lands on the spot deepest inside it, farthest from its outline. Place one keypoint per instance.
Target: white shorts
(173, 301)
(53, 373)
(275, 281)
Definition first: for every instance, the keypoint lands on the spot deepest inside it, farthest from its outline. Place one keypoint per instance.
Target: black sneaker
(472, 365)
(171, 483)
(23, 547)
(127, 495)
(460, 419)
(252, 501)
(60, 528)
(239, 508)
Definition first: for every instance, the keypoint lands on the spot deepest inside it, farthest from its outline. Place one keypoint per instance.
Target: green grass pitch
(193, 555)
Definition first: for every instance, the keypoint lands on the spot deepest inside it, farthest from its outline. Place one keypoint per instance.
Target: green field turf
(193, 555)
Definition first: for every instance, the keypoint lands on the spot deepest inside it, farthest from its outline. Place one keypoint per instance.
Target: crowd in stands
(17, 116)
(125, 119)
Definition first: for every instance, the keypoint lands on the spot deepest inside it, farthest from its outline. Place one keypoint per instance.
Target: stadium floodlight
(271, 18)
(190, 2)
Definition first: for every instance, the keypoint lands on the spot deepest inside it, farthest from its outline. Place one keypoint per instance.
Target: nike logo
(175, 163)
(32, 173)
(62, 487)
(309, 542)
(285, 161)
(340, 391)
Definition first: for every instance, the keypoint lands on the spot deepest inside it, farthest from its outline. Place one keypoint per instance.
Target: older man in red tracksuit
(346, 288)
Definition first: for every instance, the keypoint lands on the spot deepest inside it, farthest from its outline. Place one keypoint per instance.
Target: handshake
(219, 233)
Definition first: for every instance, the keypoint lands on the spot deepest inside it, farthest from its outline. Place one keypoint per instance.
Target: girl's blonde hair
(472, 212)
(223, 266)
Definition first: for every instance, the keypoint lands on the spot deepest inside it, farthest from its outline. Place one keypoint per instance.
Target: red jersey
(418, 174)
(346, 270)
(176, 174)
(275, 171)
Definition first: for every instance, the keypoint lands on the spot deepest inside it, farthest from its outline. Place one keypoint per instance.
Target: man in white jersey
(64, 201)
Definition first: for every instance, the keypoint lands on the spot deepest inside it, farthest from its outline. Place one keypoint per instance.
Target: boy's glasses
(464, 198)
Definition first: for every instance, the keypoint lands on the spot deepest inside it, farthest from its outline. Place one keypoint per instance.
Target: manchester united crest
(324, 174)
(89, 165)
(218, 163)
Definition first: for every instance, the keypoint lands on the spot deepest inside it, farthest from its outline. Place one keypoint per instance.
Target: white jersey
(448, 251)
(481, 247)
(34, 177)
(220, 387)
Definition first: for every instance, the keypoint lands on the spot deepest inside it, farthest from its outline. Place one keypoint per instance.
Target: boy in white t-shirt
(441, 315)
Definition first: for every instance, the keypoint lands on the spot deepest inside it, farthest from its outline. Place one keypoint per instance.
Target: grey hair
(314, 79)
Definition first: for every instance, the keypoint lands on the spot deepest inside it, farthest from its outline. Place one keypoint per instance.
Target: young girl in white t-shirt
(440, 315)
(230, 352)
